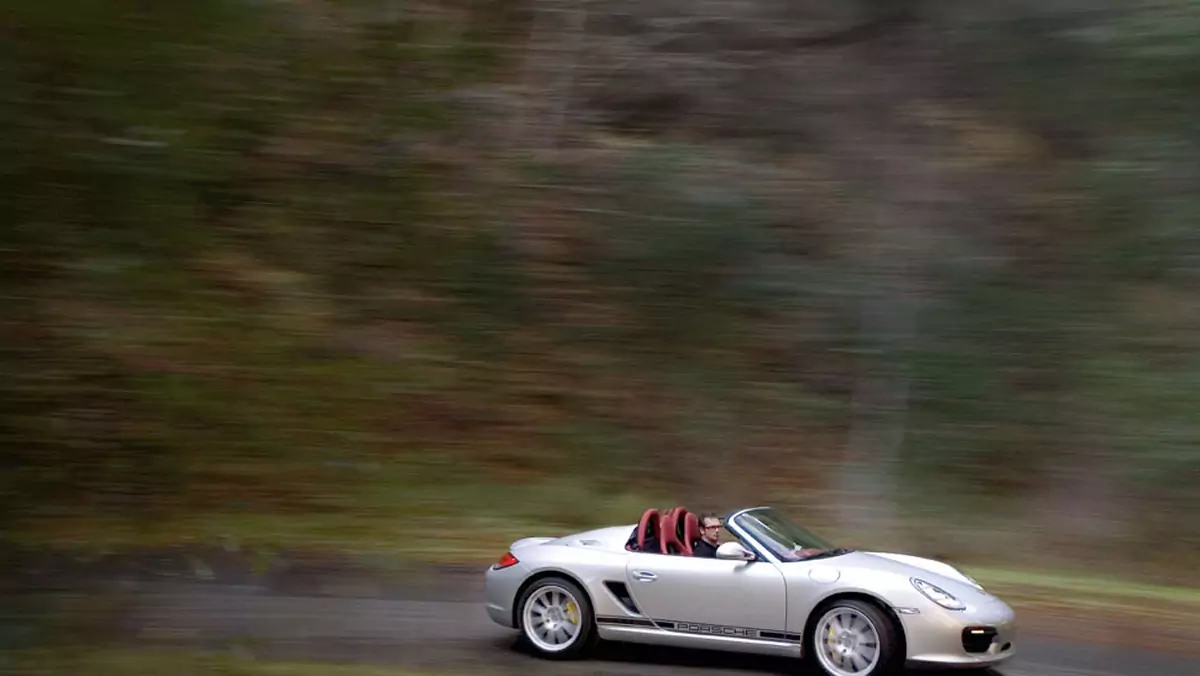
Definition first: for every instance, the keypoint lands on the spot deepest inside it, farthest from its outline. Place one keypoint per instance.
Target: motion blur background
(410, 279)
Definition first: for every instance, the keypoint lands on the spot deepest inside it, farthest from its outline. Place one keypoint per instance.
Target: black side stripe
(702, 629)
(626, 621)
(780, 635)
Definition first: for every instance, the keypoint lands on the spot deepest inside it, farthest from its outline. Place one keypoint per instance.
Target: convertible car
(773, 588)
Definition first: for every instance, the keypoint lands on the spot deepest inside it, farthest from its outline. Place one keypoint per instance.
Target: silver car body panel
(760, 606)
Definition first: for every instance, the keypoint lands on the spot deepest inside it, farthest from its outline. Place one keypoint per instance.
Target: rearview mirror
(734, 551)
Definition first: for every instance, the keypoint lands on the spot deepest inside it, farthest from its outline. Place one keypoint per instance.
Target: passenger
(710, 535)
(651, 540)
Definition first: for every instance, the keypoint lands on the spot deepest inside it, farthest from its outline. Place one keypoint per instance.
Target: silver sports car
(772, 588)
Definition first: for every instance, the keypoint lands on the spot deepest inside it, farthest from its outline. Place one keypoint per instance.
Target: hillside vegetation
(328, 274)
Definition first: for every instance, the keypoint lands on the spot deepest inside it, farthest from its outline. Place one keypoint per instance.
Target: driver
(710, 532)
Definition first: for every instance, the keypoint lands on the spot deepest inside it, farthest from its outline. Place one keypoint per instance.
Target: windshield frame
(773, 536)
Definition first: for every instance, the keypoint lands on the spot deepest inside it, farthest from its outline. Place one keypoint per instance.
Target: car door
(710, 595)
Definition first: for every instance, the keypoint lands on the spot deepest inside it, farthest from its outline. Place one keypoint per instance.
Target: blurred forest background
(342, 274)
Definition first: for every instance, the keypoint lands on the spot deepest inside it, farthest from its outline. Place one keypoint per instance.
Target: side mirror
(735, 551)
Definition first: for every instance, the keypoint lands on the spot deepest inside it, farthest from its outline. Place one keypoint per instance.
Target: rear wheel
(853, 638)
(556, 618)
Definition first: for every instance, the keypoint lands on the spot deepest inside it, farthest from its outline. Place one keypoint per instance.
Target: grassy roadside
(426, 510)
(130, 662)
(1082, 587)
(1041, 592)
(1098, 609)
(402, 537)
(438, 512)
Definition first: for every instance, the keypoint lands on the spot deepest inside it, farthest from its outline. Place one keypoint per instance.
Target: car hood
(937, 573)
(923, 565)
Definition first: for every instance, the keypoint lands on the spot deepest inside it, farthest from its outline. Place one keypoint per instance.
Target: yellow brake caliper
(572, 615)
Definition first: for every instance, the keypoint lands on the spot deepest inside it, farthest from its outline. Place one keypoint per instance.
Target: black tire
(891, 652)
(584, 639)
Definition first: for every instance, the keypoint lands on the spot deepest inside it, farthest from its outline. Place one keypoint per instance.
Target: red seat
(672, 532)
(649, 526)
(667, 540)
(691, 531)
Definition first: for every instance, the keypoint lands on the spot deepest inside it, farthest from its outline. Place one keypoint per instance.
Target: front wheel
(556, 618)
(854, 638)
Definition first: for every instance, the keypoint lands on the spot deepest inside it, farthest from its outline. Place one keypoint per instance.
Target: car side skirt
(678, 634)
(695, 635)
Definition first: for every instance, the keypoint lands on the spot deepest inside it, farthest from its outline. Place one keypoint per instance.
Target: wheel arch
(542, 575)
(856, 595)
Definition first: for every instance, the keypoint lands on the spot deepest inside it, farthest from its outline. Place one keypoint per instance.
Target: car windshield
(786, 540)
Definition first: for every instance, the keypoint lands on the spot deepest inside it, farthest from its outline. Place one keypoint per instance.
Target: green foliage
(246, 274)
(684, 252)
(1107, 82)
(988, 368)
(142, 144)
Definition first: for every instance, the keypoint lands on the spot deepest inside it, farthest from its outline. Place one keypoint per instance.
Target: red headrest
(668, 542)
(671, 530)
(648, 526)
(691, 530)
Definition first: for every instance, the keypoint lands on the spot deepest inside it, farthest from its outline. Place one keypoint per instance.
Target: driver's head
(710, 527)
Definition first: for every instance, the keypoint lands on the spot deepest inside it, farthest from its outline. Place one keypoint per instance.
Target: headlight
(939, 596)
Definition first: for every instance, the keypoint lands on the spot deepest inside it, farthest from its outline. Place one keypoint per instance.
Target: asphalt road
(442, 627)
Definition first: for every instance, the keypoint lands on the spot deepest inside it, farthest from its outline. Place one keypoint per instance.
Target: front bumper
(978, 637)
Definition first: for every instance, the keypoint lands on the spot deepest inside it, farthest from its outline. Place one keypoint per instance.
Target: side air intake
(621, 593)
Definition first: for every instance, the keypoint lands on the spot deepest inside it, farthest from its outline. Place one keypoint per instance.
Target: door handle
(644, 576)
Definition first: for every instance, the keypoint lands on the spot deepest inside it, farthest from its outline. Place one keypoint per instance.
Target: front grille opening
(978, 639)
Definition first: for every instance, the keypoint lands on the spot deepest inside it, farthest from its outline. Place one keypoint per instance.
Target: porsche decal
(715, 629)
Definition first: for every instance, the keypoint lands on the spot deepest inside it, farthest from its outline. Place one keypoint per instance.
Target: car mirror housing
(734, 551)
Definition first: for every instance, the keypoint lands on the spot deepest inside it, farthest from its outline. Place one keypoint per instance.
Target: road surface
(432, 620)
(455, 635)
